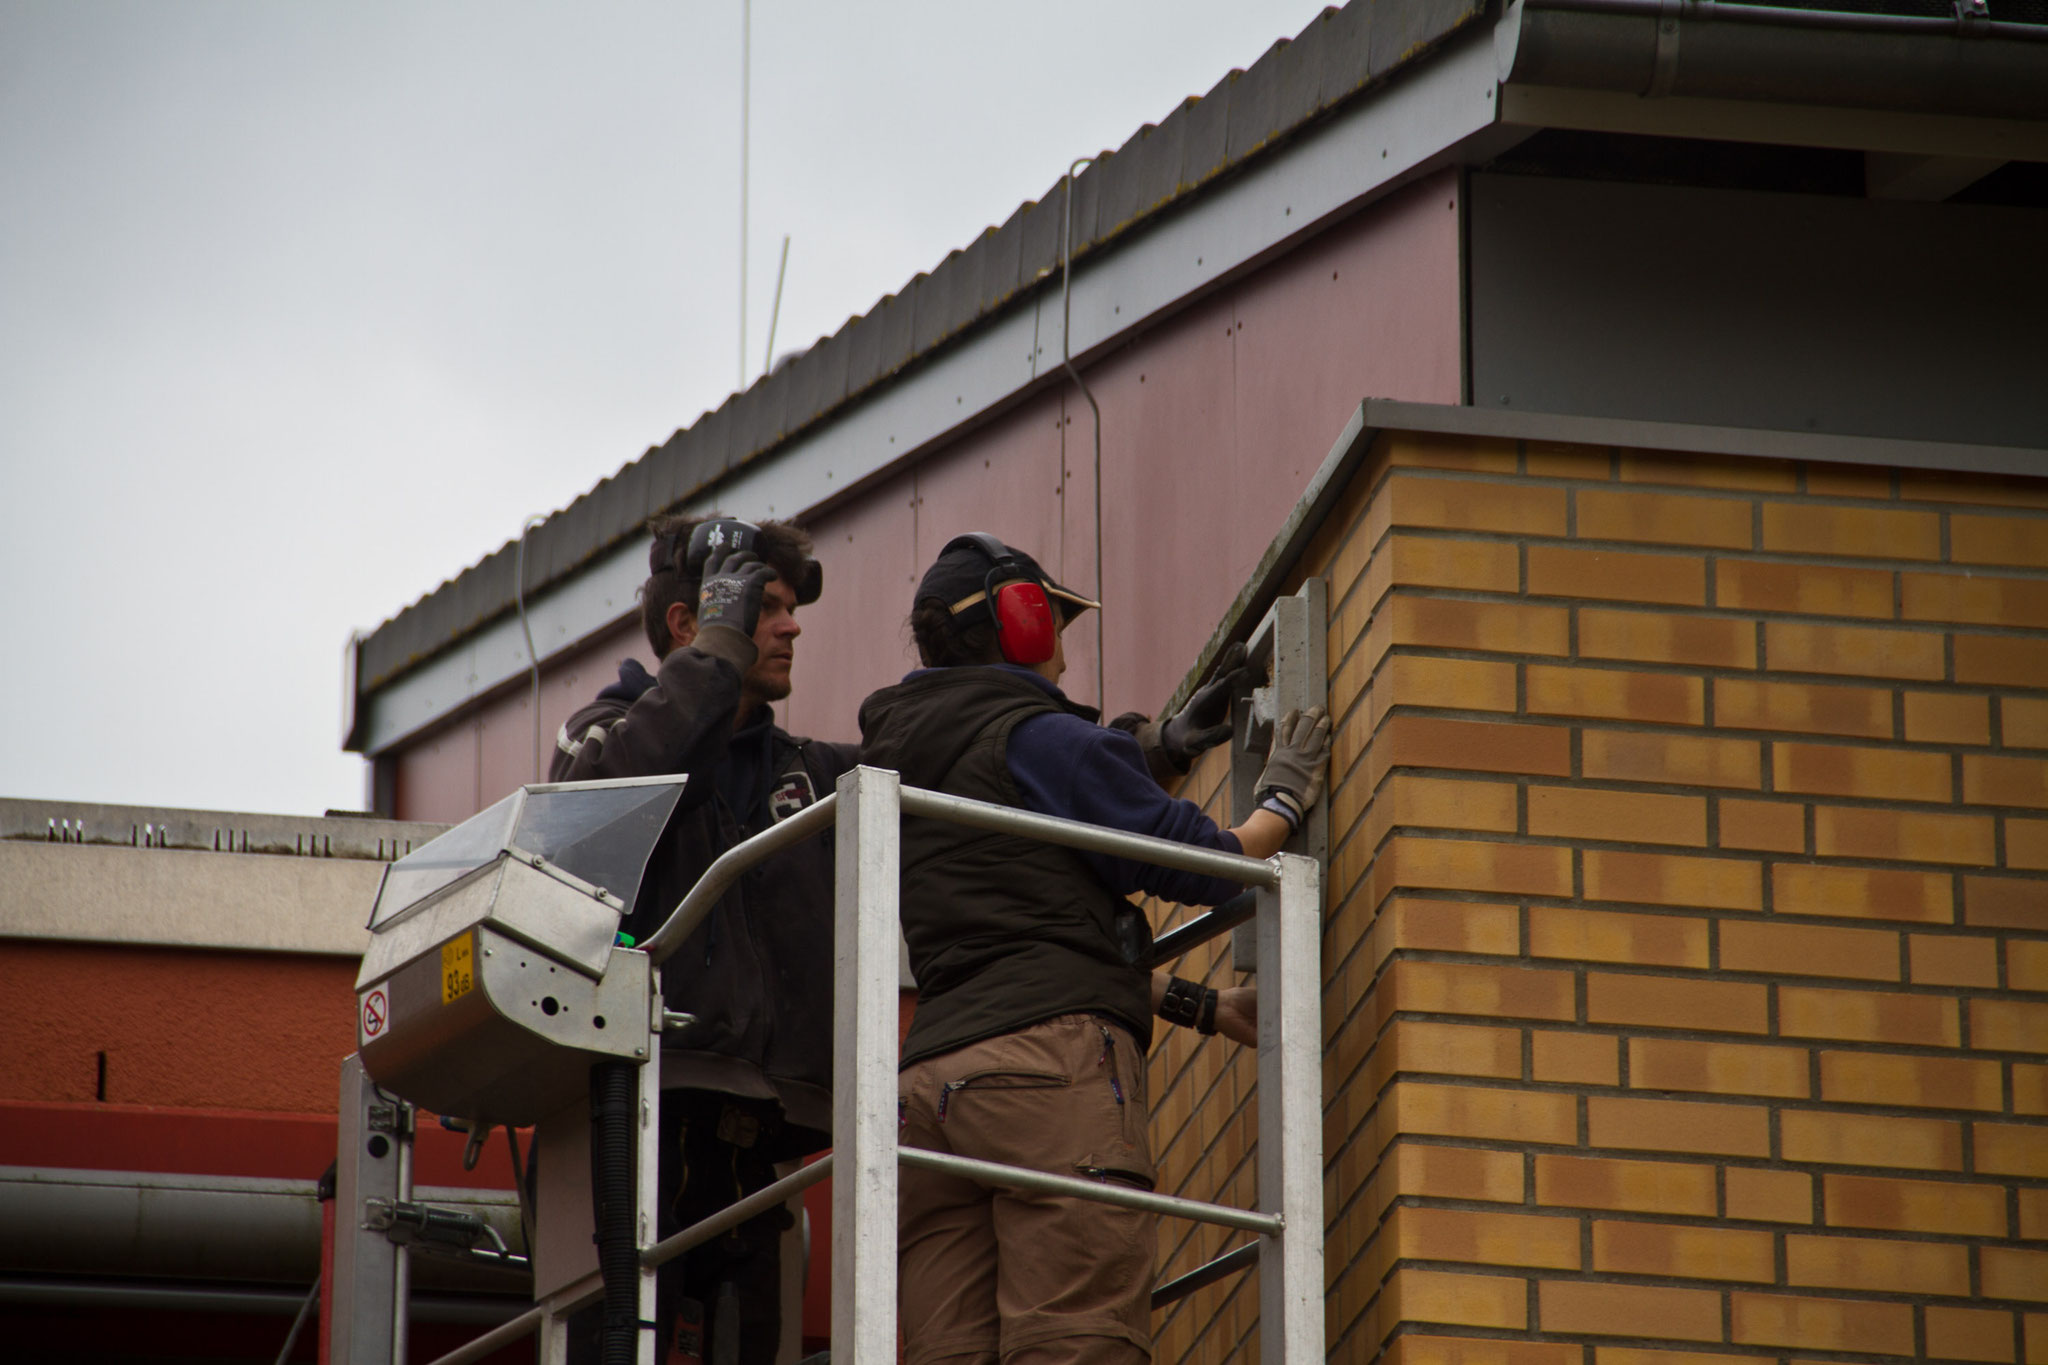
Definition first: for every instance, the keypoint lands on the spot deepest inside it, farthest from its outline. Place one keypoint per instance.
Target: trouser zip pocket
(999, 1080)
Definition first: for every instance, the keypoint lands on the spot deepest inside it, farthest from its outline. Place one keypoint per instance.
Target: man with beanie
(749, 1083)
(1028, 1045)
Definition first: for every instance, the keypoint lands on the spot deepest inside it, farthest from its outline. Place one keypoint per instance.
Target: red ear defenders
(1027, 631)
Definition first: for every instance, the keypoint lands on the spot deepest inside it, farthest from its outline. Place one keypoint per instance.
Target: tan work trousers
(1028, 1279)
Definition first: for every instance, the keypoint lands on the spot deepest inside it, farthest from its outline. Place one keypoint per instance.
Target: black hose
(614, 1204)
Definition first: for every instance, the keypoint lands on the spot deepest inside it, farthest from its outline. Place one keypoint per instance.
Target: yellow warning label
(458, 968)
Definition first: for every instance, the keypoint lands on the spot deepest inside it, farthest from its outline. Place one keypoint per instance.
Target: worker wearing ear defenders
(1028, 1044)
(748, 1083)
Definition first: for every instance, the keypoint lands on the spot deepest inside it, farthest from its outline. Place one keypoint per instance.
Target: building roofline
(1244, 117)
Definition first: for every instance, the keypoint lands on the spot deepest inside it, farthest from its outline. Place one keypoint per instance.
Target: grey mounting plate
(1290, 648)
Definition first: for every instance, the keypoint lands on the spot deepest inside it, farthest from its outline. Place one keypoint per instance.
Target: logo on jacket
(791, 795)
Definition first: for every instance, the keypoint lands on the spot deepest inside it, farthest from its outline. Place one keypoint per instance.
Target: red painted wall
(217, 1063)
(217, 1030)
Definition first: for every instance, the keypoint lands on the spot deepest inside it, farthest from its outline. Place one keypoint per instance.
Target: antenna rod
(746, 68)
(1067, 363)
(768, 357)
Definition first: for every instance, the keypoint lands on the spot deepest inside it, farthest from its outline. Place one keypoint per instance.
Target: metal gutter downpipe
(540, 774)
(1711, 50)
(1067, 363)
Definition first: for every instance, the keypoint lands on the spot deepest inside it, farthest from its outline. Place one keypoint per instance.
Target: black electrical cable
(614, 1203)
(299, 1323)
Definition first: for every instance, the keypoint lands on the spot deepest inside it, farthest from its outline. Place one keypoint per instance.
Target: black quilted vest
(1003, 931)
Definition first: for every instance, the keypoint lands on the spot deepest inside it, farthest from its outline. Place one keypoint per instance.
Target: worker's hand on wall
(1204, 722)
(1300, 755)
(1237, 1014)
(729, 606)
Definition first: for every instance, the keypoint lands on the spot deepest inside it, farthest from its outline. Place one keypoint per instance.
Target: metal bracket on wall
(1290, 649)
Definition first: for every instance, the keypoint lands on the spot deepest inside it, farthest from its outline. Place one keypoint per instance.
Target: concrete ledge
(168, 897)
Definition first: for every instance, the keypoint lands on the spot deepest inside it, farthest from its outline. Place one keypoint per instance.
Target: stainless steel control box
(494, 976)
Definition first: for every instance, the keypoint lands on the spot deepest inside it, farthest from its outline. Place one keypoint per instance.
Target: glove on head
(733, 586)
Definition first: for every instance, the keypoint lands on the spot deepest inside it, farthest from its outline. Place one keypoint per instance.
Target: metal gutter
(1699, 48)
(1966, 21)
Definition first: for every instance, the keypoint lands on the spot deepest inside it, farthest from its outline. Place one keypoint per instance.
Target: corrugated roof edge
(1248, 114)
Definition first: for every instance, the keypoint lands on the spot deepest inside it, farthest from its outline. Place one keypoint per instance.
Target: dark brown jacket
(757, 973)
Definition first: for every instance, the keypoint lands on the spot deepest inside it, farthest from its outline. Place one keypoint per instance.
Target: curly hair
(948, 641)
(783, 547)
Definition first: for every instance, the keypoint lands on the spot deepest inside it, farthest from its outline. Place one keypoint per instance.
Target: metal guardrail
(1199, 930)
(589, 1289)
(868, 811)
(1290, 1217)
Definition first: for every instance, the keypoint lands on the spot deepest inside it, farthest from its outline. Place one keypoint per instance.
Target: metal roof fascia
(1385, 414)
(872, 437)
(1414, 124)
(562, 617)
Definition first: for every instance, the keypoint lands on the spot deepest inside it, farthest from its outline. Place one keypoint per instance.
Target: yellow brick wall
(1687, 949)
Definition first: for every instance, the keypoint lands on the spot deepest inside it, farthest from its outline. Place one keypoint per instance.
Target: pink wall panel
(1367, 310)
(1212, 423)
(567, 685)
(507, 748)
(436, 778)
(1004, 479)
(457, 771)
(1168, 409)
(853, 639)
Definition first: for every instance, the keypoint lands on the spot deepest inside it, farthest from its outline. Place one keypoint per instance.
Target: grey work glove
(1204, 722)
(1292, 780)
(729, 606)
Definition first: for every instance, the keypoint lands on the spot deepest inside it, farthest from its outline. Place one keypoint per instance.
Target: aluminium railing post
(864, 1067)
(1291, 1113)
(647, 1178)
(360, 1292)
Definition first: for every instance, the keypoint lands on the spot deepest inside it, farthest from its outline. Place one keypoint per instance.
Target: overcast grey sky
(306, 307)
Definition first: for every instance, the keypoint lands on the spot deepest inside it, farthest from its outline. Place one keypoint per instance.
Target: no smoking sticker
(376, 1014)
